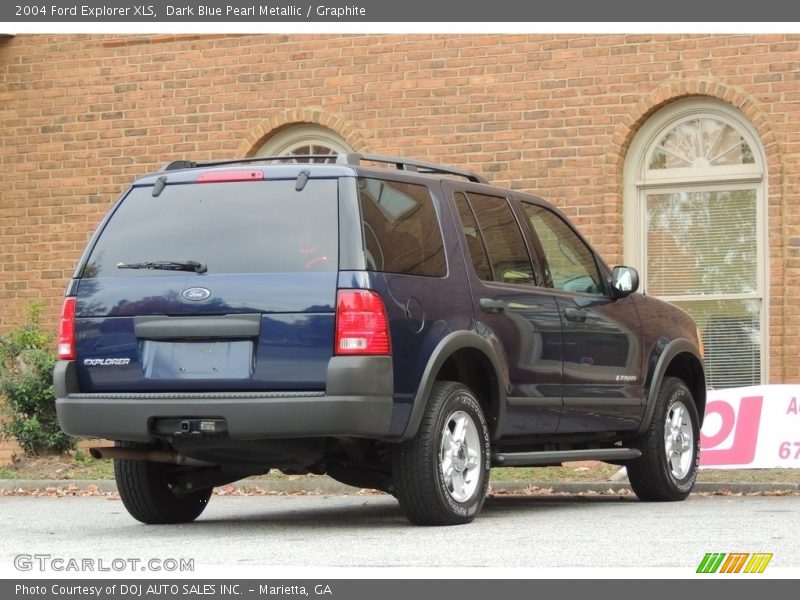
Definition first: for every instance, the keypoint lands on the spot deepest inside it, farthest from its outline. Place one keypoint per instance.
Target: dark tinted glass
(401, 230)
(475, 245)
(248, 227)
(571, 263)
(504, 242)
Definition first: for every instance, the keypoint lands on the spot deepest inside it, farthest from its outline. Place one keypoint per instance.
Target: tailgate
(258, 316)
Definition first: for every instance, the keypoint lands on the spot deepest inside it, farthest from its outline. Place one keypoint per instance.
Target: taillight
(228, 176)
(66, 330)
(361, 323)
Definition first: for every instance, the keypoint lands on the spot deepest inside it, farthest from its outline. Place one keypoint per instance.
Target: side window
(571, 264)
(508, 257)
(401, 229)
(475, 245)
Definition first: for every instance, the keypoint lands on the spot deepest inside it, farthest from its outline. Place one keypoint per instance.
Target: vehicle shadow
(383, 511)
(518, 502)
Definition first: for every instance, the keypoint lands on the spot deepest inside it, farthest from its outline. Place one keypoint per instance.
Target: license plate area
(197, 359)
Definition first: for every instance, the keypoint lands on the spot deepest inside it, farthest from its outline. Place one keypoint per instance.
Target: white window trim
(639, 181)
(286, 140)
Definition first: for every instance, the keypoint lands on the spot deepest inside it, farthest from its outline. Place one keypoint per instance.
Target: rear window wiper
(167, 265)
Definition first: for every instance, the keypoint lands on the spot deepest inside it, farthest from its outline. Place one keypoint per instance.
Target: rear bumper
(358, 402)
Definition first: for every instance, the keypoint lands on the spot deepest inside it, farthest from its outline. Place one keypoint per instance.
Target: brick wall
(80, 116)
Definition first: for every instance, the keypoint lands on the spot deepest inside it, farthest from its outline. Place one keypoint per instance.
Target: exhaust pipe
(160, 456)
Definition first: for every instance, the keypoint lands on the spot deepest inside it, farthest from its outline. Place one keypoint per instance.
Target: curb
(578, 487)
(327, 486)
(26, 485)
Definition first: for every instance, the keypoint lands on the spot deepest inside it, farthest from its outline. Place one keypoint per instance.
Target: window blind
(705, 244)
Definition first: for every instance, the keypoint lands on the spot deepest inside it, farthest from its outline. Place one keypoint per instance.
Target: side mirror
(624, 281)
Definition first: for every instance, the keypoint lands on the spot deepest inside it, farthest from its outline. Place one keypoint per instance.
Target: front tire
(442, 474)
(670, 448)
(147, 495)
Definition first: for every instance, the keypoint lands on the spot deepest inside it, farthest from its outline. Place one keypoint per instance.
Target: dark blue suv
(402, 328)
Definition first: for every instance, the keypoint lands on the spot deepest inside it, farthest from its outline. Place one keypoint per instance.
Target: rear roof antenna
(302, 180)
(159, 186)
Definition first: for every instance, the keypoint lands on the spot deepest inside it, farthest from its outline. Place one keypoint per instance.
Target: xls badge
(196, 294)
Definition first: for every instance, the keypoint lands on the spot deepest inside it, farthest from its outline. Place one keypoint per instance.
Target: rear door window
(508, 256)
(472, 234)
(233, 227)
(401, 228)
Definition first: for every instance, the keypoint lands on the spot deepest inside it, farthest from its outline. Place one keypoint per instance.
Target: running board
(533, 459)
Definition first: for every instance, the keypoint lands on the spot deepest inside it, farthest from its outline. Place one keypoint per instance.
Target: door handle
(492, 306)
(576, 315)
(521, 306)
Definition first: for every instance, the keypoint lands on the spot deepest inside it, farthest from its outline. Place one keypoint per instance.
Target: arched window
(695, 194)
(305, 139)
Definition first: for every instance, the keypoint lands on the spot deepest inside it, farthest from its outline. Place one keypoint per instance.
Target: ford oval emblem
(196, 294)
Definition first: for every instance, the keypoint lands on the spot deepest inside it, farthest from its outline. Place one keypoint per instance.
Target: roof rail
(179, 164)
(406, 164)
(349, 158)
(189, 164)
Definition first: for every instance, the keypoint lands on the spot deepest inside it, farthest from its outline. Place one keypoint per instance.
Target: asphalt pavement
(311, 484)
(370, 530)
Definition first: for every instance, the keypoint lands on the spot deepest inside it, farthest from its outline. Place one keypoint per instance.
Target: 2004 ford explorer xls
(403, 328)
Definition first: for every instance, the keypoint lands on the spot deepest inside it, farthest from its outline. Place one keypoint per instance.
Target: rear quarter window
(401, 228)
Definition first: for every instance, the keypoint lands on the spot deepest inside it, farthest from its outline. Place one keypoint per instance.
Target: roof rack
(405, 164)
(349, 158)
(190, 164)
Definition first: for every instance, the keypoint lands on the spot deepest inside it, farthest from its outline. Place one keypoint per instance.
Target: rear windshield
(247, 227)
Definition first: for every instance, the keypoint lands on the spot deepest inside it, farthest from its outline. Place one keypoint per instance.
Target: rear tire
(147, 496)
(442, 474)
(670, 448)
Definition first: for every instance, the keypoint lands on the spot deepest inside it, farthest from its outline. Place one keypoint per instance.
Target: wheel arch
(680, 359)
(468, 358)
